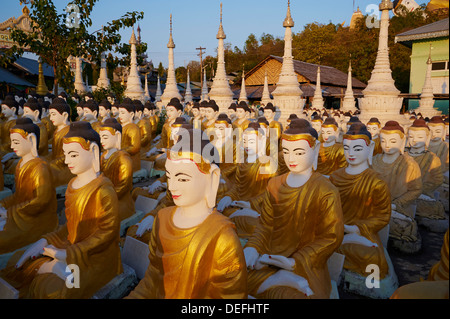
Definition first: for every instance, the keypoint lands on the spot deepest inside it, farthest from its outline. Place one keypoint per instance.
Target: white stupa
(171, 89)
(318, 102)
(426, 103)
(220, 89)
(188, 94)
(158, 91)
(103, 80)
(287, 95)
(134, 88)
(243, 94)
(266, 93)
(349, 98)
(79, 84)
(205, 96)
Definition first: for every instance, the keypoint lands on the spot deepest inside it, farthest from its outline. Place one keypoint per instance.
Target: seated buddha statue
(194, 250)
(59, 115)
(117, 166)
(366, 203)
(437, 143)
(446, 121)
(91, 109)
(131, 134)
(253, 171)
(30, 211)
(374, 127)
(241, 121)
(346, 118)
(196, 120)
(231, 112)
(80, 111)
(148, 114)
(430, 166)
(300, 227)
(46, 119)
(89, 238)
(291, 118)
(104, 111)
(331, 155)
(33, 110)
(269, 114)
(211, 112)
(9, 111)
(403, 177)
(145, 128)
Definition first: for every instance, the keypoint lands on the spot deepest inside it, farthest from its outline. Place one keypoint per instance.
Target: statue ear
(96, 151)
(66, 116)
(14, 110)
(33, 140)
(316, 155)
(211, 194)
(404, 145)
(119, 140)
(95, 114)
(36, 114)
(372, 148)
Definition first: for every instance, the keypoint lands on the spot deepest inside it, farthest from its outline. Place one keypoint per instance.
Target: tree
(54, 41)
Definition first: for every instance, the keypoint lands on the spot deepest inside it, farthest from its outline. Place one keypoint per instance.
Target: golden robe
(403, 178)
(377, 149)
(442, 151)
(331, 158)
(201, 262)
(49, 126)
(276, 125)
(5, 146)
(131, 143)
(145, 128)
(119, 169)
(91, 240)
(196, 123)
(60, 171)
(96, 124)
(165, 141)
(241, 126)
(366, 203)
(31, 208)
(43, 140)
(303, 223)
(430, 167)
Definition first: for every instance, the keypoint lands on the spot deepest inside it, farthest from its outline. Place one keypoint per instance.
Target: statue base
(130, 221)
(120, 286)
(433, 225)
(5, 193)
(355, 283)
(407, 247)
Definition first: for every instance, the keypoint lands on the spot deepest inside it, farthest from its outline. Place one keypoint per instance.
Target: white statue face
(269, 115)
(222, 131)
(202, 111)
(317, 126)
(114, 111)
(7, 111)
(33, 115)
(418, 138)
(437, 132)
(329, 134)
(374, 130)
(210, 114)
(391, 143)
(252, 142)
(184, 181)
(172, 113)
(89, 114)
(356, 151)
(125, 116)
(108, 140)
(195, 112)
(77, 158)
(147, 113)
(21, 146)
(110, 99)
(57, 118)
(103, 112)
(240, 113)
(80, 111)
(298, 155)
(231, 113)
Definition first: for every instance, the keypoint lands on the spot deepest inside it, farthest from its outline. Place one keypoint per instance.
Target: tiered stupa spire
(243, 94)
(349, 98)
(188, 94)
(318, 98)
(134, 89)
(426, 102)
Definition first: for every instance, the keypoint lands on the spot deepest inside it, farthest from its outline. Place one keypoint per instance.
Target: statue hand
(52, 251)
(278, 261)
(151, 152)
(32, 252)
(251, 257)
(56, 267)
(144, 225)
(351, 229)
(224, 203)
(222, 181)
(241, 203)
(245, 212)
(155, 187)
(156, 139)
(161, 196)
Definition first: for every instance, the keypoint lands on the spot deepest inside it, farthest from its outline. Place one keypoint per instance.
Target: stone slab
(7, 291)
(145, 204)
(120, 286)
(334, 290)
(355, 283)
(130, 221)
(156, 173)
(5, 193)
(135, 254)
(147, 165)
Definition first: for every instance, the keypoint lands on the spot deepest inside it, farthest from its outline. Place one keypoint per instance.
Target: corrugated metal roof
(430, 31)
(32, 66)
(9, 78)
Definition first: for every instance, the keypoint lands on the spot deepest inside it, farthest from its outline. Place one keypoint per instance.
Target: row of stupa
(380, 99)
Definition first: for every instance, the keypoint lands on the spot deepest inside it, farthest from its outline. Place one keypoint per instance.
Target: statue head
(32, 109)
(330, 131)
(148, 108)
(419, 135)
(174, 109)
(241, 110)
(300, 146)
(111, 134)
(90, 109)
(10, 107)
(139, 109)
(254, 139)
(88, 96)
(63, 95)
(437, 129)
(126, 111)
(232, 111)
(316, 123)
(446, 128)
(203, 105)
(269, 112)
(104, 109)
(211, 110)
(392, 138)
(196, 110)
(176, 126)
(80, 109)
(81, 147)
(358, 146)
(374, 127)
(192, 173)
(353, 120)
(59, 112)
(223, 127)
(111, 98)
(264, 124)
(75, 98)
(25, 137)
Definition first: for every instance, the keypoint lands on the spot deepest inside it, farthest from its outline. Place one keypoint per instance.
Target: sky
(196, 22)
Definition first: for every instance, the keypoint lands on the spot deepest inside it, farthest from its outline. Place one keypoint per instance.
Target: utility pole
(201, 63)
